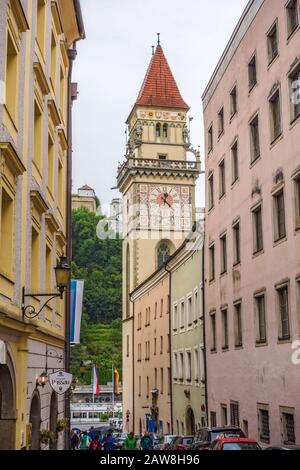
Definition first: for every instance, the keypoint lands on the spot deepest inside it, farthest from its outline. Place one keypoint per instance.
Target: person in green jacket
(130, 442)
(85, 441)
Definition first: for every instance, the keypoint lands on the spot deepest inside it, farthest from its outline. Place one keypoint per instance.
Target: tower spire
(158, 39)
(159, 87)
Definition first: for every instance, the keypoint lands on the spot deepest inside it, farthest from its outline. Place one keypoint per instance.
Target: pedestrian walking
(95, 444)
(130, 442)
(74, 441)
(146, 442)
(109, 442)
(85, 441)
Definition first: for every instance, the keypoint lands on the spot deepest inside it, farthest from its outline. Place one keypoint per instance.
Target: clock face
(164, 197)
(164, 206)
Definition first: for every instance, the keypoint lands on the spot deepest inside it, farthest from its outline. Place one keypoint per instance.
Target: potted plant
(62, 424)
(46, 436)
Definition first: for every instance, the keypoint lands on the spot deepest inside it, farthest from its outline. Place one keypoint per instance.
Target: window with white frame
(188, 373)
(202, 364)
(196, 364)
(189, 311)
(181, 366)
(175, 366)
(182, 314)
(196, 306)
(175, 317)
(201, 301)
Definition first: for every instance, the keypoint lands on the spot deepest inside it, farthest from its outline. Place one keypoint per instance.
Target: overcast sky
(112, 62)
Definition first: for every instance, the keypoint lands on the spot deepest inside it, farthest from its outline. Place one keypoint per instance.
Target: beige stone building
(85, 197)
(187, 342)
(252, 248)
(36, 55)
(157, 181)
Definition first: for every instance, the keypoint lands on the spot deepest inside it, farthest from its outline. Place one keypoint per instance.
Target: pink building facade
(252, 249)
(151, 345)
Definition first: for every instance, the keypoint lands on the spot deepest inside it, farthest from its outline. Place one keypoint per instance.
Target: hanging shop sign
(60, 381)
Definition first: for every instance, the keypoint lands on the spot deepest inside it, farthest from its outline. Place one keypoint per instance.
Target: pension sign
(60, 381)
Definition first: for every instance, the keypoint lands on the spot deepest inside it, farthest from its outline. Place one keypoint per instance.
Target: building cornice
(12, 159)
(238, 34)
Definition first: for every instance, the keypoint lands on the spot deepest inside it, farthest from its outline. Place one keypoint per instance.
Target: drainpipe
(133, 369)
(170, 350)
(71, 55)
(204, 326)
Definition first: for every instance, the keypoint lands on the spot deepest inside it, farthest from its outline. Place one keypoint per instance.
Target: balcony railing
(156, 164)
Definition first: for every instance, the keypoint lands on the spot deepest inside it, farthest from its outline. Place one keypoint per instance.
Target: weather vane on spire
(153, 47)
(158, 39)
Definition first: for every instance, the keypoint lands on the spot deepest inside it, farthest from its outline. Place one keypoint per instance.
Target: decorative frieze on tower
(158, 186)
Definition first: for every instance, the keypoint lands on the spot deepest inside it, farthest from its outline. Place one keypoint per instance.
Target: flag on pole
(76, 310)
(96, 386)
(116, 381)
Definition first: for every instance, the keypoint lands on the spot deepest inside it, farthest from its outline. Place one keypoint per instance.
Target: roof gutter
(79, 19)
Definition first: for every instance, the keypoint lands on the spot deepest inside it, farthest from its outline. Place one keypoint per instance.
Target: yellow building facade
(157, 181)
(36, 39)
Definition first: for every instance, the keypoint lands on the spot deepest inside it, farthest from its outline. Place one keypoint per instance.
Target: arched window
(163, 253)
(158, 130)
(165, 130)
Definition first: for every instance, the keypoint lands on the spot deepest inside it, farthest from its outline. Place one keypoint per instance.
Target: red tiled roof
(86, 188)
(159, 87)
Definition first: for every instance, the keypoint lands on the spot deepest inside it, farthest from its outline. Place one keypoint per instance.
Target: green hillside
(98, 262)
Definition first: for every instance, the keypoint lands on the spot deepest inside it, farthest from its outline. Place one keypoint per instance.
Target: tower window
(158, 130)
(165, 130)
(163, 253)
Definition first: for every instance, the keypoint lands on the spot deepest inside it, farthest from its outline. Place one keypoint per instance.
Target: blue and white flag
(76, 310)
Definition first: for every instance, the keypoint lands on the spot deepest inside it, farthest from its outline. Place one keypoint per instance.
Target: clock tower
(157, 181)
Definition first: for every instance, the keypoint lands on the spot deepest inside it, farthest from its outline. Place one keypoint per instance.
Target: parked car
(165, 441)
(208, 435)
(283, 447)
(181, 442)
(235, 443)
